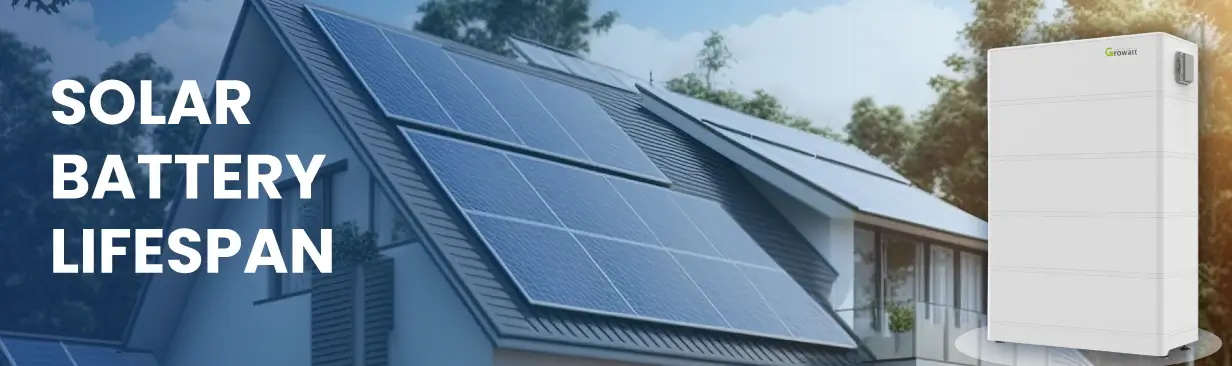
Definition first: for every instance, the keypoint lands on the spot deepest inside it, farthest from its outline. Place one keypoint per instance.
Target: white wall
(221, 325)
(834, 238)
(431, 324)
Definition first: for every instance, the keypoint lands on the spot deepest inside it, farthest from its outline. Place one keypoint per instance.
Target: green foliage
(902, 318)
(41, 6)
(883, 132)
(488, 24)
(712, 60)
(352, 245)
(1210, 277)
(85, 305)
(714, 57)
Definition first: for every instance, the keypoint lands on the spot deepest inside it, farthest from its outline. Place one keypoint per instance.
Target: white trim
(67, 353)
(920, 231)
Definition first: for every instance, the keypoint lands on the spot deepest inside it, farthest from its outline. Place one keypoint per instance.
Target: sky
(817, 56)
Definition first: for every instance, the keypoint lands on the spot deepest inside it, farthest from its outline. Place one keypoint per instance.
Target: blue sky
(817, 56)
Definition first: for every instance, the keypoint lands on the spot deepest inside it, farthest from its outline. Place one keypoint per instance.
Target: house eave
(791, 182)
(921, 231)
(574, 347)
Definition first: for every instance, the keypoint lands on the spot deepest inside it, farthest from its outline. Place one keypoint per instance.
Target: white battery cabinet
(1093, 194)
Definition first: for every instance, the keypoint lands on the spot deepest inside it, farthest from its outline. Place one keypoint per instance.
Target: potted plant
(353, 246)
(902, 322)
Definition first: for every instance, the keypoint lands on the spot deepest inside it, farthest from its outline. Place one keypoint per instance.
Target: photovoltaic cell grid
(420, 81)
(36, 352)
(870, 193)
(800, 141)
(575, 239)
(568, 64)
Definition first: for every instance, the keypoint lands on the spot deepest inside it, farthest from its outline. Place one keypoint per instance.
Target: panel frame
(473, 230)
(458, 134)
(8, 354)
(4, 352)
(522, 46)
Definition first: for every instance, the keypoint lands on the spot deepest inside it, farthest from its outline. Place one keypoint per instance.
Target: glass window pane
(391, 226)
(297, 213)
(901, 263)
(865, 286)
(941, 276)
(972, 282)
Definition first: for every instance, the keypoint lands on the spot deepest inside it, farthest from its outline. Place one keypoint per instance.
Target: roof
(846, 174)
(506, 315)
(28, 350)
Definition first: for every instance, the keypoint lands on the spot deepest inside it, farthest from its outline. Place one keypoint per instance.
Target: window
(897, 269)
(971, 278)
(292, 212)
(390, 226)
(867, 264)
(902, 269)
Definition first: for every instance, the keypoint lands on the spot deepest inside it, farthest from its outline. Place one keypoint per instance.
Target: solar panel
(548, 265)
(590, 71)
(505, 194)
(870, 193)
(420, 82)
(139, 359)
(575, 196)
(520, 107)
(382, 69)
(85, 355)
(572, 65)
(733, 295)
(591, 127)
(602, 256)
(469, 109)
(801, 141)
(652, 282)
(723, 232)
(539, 56)
(31, 352)
(803, 317)
(664, 218)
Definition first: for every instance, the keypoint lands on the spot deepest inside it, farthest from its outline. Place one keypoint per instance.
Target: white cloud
(190, 42)
(817, 61)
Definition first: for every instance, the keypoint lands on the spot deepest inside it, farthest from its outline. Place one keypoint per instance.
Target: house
(547, 210)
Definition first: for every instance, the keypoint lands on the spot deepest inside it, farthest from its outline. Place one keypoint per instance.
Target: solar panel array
(39, 352)
(576, 239)
(870, 193)
(420, 82)
(799, 141)
(569, 64)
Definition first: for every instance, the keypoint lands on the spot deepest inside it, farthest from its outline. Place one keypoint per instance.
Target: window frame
(923, 248)
(325, 177)
(375, 195)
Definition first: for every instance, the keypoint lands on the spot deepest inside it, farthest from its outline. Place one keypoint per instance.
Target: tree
(38, 301)
(714, 57)
(488, 24)
(883, 132)
(711, 61)
(52, 7)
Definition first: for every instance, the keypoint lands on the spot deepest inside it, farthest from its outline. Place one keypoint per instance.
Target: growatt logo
(1110, 52)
